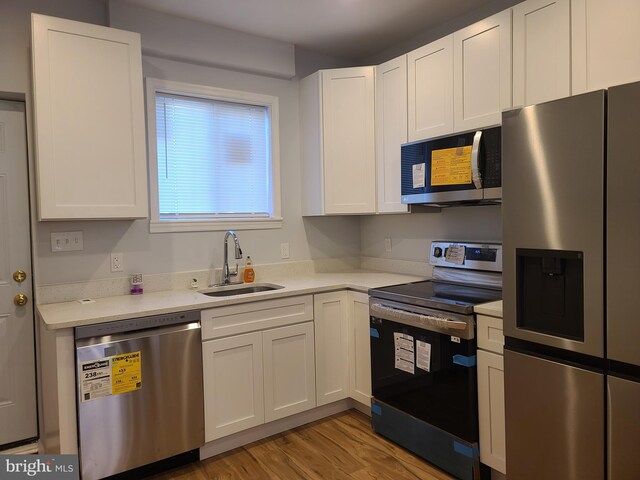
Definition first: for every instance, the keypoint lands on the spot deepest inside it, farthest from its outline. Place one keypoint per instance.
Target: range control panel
(474, 256)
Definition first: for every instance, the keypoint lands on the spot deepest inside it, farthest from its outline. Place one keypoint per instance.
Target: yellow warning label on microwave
(126, 372)
(451, 166)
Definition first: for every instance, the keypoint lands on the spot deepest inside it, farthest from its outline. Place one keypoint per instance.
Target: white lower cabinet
(233, 384)
(343, 359)
(491, 393)
(262, 375)
(359, 348)
(331, 312)
(289, 370)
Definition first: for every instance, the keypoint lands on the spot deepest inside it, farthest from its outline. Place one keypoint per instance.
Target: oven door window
(444, 396)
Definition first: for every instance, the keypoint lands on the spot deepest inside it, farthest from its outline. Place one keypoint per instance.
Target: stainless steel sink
(239, 289)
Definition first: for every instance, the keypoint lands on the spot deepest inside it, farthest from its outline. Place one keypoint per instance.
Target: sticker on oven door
(418, 175)
(126, 372)
(423, 355)
(95, 381)
(404, 358)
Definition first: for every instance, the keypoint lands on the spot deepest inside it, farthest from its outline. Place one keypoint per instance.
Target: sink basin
(240, 289)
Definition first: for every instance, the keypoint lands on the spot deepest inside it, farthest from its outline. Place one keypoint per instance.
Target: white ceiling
(350, 29)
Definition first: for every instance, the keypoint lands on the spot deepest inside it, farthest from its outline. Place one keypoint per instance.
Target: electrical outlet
(284, 250)
(387, 244)
(117, 263)
(66, 241)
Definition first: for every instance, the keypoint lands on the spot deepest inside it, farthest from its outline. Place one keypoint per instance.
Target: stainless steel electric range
(423, 356)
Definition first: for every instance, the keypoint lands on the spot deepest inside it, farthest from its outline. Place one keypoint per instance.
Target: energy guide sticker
(111, 376)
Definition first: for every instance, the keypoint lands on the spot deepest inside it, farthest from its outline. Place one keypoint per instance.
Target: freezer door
(553, 203)
(623, 228)
(554, 420)
(160, 418)
(624, 428)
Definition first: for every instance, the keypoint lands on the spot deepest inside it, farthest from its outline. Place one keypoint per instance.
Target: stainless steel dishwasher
(139, 390)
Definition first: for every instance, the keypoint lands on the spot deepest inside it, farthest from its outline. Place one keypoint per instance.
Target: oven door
(458, 168)
(423, 363)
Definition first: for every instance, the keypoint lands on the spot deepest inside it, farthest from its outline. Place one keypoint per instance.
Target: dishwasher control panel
(141, 323)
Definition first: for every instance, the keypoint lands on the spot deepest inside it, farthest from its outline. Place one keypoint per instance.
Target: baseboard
(278, 426)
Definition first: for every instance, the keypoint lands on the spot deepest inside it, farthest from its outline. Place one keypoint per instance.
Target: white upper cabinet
(430, 80)
(482, 72)
(338, 142)
(89, 121)
(391, 132)
(606, 43)
(541, 51)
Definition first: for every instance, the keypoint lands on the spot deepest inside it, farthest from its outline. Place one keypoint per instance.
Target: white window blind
(214, 158)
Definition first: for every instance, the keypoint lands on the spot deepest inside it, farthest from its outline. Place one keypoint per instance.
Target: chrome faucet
(226, 273)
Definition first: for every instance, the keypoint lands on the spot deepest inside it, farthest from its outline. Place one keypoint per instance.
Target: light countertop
(493, 309)
(108, 309)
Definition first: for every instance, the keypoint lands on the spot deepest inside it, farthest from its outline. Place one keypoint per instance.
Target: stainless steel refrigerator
(571, 253)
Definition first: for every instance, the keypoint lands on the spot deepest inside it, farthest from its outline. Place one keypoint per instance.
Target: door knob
(20, 300)
(19, 276)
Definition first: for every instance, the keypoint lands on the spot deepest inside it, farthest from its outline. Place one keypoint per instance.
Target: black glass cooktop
(432, 294)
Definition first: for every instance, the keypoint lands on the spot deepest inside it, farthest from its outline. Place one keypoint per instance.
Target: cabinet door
(491, 410)
(332, 355)
(606, 43)
(359, 348)
(430, 98)
(89, 121)
(233, 385)
(391, 132)
(541, 51)
(349, 140)
(482, 72)
(289, 370)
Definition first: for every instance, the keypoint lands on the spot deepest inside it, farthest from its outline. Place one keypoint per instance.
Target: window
(213, 158)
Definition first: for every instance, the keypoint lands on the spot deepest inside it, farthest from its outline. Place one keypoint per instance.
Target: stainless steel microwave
(457, 169)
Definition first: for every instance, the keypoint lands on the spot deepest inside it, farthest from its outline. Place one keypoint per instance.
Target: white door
(430, 79)
(605, 44)
(17, 362)
(360, 348)
(541, 51)
(391, 132)
(331, 323)
(289, 370)
(349, 140)
(482, 72)
(233, 384)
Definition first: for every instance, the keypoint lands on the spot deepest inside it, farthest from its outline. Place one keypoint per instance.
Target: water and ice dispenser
(550, 292)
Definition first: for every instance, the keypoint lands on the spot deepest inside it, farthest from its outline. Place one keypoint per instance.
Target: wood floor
(342, 446)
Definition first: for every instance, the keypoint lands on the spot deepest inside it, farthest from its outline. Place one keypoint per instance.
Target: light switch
(66, 241)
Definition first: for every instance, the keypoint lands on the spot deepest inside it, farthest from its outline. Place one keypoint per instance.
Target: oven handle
(417, 318)
(475, 154)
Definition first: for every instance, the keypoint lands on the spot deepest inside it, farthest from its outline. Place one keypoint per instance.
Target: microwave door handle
(475, 154)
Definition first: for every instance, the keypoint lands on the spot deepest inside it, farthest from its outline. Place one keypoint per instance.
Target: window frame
(225, 222)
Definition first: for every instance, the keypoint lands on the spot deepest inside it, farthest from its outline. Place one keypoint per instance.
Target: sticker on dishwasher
(111, 376)
(96, 379)
(403, 344)
(423, 355)
(126, 373)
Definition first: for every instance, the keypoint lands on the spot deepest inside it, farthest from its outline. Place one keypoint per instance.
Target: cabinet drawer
(490, 335)
(249, 317)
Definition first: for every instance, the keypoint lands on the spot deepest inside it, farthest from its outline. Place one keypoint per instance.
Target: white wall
(156, 253)
(411, 234)
(171, 252)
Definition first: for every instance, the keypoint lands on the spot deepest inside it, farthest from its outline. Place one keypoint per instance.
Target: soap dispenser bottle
(249, 274)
